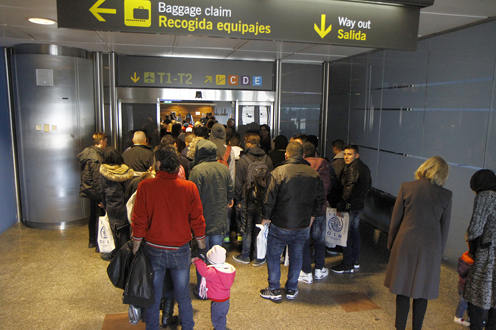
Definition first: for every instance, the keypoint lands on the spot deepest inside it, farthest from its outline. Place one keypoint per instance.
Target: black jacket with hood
(294, 194)
(90, 159)
(215, 186)
(254, 154)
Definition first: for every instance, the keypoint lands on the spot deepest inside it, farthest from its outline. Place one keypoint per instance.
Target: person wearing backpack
(252, 170)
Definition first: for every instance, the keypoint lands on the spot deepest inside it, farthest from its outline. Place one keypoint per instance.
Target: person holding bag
(417, 237)
(480, 287)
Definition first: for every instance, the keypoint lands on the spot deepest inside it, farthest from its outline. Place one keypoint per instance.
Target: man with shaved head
(140, 156)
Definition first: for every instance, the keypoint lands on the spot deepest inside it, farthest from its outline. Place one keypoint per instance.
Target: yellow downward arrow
(97, 11)
(209, 79)
(322, 31)
(135, 79)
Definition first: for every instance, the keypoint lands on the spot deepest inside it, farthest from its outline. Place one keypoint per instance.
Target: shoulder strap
(227, 153)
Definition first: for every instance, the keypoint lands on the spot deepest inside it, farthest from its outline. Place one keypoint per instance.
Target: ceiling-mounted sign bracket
(348, 23)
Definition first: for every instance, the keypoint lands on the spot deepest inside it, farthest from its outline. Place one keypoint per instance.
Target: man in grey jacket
(294, 197)
(216, 192)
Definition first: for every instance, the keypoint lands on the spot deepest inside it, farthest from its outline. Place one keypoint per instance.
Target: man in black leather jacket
(356, 182)
(293, 198)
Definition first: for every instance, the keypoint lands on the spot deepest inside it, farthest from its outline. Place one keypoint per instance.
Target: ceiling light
(43, 21)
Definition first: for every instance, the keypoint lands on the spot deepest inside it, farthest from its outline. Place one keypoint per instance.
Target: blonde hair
(435, 169)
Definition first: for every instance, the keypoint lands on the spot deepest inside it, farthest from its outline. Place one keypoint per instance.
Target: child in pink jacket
(217, 279)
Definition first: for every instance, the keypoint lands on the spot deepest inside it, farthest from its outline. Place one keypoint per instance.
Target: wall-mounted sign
(140, 71)
(316, 21)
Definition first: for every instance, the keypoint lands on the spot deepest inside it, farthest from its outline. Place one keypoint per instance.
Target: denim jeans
(352, 250)
(253, 217)
(218, 314)
(178, 263)
(462, 306)
(276, 241)
(317, 232)
(210, 241)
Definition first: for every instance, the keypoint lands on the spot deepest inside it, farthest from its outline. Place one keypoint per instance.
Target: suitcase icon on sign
(137, 13)
(140, 13)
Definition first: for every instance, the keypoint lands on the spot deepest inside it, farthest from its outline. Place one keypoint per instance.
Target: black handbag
(118, 269)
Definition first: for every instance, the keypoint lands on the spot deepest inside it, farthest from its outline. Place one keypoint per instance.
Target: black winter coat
(114, 180)
(90, 159)
(356, 182)
(139, 157)
(294, 194)
(254, 154)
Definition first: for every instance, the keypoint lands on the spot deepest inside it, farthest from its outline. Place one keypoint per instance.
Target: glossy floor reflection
(51, 280)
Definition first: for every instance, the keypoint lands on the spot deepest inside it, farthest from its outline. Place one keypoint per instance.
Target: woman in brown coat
(417, 237)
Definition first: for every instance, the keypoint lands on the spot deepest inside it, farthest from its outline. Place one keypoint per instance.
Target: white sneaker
(461, 321)
(305, 277)
(321, 273)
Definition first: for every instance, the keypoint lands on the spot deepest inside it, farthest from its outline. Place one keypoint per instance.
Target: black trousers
(477, 316)
(93, 221)
(402, 309)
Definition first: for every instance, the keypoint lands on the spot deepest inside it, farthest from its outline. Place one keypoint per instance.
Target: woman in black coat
(480, 287)
(417, 237)
(114, 179)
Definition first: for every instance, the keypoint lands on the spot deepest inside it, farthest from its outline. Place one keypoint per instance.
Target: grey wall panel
(406, 124)
(364, 127)
(394, 169)
(457, 136)
(8, 191)
(369, 157)
(463, 199)
(438, 100)
(51, 132)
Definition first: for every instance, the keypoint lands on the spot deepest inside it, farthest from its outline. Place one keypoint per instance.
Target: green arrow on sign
(322, 31)
(97, 11)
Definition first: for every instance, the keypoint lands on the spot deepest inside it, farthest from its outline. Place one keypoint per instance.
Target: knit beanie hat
(216, 255)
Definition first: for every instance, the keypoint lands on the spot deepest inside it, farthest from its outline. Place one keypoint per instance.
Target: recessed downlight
(42, 21)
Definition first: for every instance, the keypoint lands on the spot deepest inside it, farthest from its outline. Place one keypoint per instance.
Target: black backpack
(256, 179)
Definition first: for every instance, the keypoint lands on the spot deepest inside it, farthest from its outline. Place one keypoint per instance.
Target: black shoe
(167, 312)
(106, 256)
(334, 251)
(92, 245)
(343, 268)
(241, 259)
(258, 262)
(271, 294)
(356, 264)
(291, 294)
(97, 250)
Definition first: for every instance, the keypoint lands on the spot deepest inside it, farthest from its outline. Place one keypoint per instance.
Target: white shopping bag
(130, 207)
(105, 237)
(336, 228)
(262, 241)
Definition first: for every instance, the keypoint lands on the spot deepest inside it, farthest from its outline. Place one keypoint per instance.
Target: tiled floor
(51, 280)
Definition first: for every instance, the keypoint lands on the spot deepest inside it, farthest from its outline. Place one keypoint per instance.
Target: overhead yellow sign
(96, 10)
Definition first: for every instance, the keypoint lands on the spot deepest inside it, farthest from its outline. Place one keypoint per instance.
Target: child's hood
(226, 273)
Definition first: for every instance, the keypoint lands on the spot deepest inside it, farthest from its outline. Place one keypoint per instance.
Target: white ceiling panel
(9, 32)
(14, 28)
(254, 56)
(435, 23)
(61, 35)
(208, 42)
(274, 46)
(200, 52)
(136, 38)
(141, 50)
(19, 16)
(334, 50)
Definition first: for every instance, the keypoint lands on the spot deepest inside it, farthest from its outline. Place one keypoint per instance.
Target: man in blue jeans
(293, 198)
(166, 211)
(356, 182)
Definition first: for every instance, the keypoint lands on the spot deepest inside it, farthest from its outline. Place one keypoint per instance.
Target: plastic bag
(336, 228)
(105, 237)
(262, 241)
(134, 313)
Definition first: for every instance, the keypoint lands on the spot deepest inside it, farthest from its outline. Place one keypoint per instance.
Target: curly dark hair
(169, 159)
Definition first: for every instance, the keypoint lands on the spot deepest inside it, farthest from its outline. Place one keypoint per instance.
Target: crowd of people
(201, 187)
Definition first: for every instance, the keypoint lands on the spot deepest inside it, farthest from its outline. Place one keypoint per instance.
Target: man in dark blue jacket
(294, 197)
